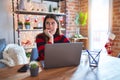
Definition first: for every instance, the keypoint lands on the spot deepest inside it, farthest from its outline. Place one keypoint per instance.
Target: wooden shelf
(80, 38)
(54, 0)
(31, 29)
(39, 13)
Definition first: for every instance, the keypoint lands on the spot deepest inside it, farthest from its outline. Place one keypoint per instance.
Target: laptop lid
(62, 54)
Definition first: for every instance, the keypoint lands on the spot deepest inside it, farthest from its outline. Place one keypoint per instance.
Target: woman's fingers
(47, 32)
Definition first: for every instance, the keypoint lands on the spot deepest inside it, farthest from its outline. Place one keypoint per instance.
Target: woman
(51, 34)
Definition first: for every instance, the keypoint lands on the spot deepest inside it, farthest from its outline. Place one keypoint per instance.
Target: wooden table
(48, 74)
(108, 69)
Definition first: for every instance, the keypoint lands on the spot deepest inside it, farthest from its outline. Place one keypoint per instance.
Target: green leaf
(77, 22)
(83, 18)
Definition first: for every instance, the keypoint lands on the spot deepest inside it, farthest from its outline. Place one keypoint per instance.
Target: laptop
(62, 55)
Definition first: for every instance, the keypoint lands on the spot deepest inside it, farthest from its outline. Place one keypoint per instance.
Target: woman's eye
(47, 23)
(53, 23)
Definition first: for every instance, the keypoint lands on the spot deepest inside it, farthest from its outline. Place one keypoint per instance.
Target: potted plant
(34, 68)
(20, 25)
(27, 24)
(80, 20)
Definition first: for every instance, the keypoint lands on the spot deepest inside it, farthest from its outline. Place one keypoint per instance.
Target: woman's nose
(49, 27)
(50, 24)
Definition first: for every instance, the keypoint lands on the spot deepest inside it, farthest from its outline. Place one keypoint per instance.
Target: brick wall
(72, 8)
(116, 26)
(84, 8)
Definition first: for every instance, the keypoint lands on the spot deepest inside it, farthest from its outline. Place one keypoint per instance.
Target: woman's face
(51, 25)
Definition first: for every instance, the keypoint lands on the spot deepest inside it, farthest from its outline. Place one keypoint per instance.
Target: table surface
(108, 69)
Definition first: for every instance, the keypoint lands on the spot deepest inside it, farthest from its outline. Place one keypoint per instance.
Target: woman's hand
(47, 32)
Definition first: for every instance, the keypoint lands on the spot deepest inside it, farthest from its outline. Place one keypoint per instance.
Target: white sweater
(13, 55)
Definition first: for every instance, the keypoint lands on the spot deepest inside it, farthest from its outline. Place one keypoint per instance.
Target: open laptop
(62, 55)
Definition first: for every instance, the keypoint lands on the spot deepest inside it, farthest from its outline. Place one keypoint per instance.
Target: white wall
(6, 23)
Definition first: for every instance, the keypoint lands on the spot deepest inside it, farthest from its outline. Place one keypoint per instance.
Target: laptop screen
(62, 54)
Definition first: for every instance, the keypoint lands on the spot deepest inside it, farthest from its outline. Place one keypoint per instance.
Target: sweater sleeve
(40, 47)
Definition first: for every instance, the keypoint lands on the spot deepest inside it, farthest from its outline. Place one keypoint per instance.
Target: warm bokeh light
(99, 23)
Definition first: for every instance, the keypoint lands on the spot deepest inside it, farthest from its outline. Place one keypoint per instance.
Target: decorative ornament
(21, 5)
(81, 19)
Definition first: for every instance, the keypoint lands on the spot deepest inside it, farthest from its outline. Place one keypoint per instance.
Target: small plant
(28, 54)
(20, 23)
(34, 68)
(78, 36)
(34, 64)
(27, 23)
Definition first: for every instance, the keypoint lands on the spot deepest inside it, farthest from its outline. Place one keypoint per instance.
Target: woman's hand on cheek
(49, 35)
(47, 32)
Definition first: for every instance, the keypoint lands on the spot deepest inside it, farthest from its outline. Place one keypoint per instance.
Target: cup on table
(93, 57)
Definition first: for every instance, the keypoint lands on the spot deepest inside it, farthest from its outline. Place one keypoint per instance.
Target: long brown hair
(44, 27)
